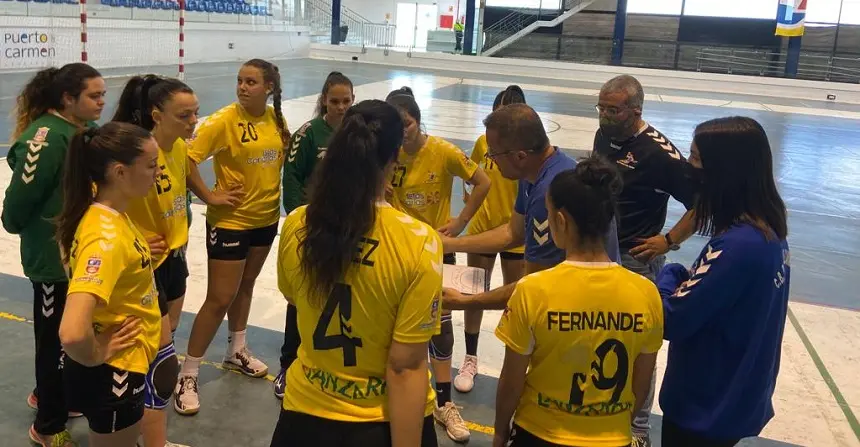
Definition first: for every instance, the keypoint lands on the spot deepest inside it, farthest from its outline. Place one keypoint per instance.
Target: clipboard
(466, 280)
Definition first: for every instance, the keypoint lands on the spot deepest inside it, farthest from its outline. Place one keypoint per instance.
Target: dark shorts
(233, 245)
(171, 278)
(299, 429)
(111, 399)
(522, 438)
(506, 255)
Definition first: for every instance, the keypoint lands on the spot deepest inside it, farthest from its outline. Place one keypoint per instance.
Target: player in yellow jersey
(494, 211)
(246, 141)
(366, 281)
(421, 186)
(111, 324)
(581, 337)
(167, 108)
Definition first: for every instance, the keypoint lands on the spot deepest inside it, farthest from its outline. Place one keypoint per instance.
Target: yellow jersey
(247, 151)
(163, 212)
(497, 208)
(422, 182)
(583, 324)
(110, 259)
(390, 292)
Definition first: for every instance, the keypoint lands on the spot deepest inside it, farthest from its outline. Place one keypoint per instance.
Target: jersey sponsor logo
(432, 177)
(230, 244)
(179, 208)
(93, 265)
(434, 313)
(344, 388)
(628, 162)
(268, 156)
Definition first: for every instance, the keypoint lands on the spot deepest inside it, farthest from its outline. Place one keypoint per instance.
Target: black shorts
(522, 438)
(232, 245)
(506, 255)
(299, 429)
(111, 399)
(171, 278)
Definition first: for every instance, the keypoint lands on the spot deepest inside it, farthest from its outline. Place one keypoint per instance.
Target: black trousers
(49, 300)
(292, 339)
(299, 429)
(675, 436)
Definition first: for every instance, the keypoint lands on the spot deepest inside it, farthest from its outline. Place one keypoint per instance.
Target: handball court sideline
(817, 163)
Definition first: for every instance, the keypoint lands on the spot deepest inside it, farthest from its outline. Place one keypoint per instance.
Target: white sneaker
(465, 380)
(449, 417)
(186, 401)
(245, 362)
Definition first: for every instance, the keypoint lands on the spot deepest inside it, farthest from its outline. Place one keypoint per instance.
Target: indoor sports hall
(813, 125)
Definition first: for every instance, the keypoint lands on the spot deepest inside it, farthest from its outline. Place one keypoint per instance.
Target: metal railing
(768, 63)
(355, 30)
(520, 18)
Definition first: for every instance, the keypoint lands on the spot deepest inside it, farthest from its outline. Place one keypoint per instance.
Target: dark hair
(46, 89)
(404, 100)
(511, 95)
(520, 127)
(90, 153)
(144, 93)
(588, 194)
(737, 178)
(334, 78)
(272, 75)
(344, 191)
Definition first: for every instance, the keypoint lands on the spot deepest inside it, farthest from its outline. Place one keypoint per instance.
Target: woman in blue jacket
(725, 315)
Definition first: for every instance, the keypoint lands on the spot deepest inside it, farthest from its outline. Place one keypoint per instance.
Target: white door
(405, 21)
(426, 22)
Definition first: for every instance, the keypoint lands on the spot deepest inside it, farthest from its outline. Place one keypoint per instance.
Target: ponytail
(348, 182)
(512, 95)
(144, 93)
(90, 153)
(45, 92)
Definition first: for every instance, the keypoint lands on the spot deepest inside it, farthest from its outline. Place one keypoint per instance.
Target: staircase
(360, 31)
(521, 23)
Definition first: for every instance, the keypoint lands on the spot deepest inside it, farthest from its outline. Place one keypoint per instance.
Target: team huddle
(103, 213)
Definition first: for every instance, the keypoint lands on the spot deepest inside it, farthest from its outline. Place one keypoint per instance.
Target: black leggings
(300, 429)
(292, 340)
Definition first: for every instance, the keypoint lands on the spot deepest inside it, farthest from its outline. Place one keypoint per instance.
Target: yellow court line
(487, 430)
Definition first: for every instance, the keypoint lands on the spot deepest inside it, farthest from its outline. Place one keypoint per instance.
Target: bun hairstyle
(334, 78)
(45, 92)
(404, 100)
(588, 194)
(143, 94)
(90, 153)
(512, 95)
(348, 181)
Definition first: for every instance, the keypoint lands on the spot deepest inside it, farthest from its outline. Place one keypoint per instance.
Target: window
(743, 9)
(667, 7)
(544, 4)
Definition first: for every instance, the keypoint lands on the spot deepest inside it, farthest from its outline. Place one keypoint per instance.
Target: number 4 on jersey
(340, 300)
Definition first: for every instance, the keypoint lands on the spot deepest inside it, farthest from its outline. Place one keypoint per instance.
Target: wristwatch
(672, 245)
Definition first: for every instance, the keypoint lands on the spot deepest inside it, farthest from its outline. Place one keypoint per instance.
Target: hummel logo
(702, 269)
(432, 246)
(436, 266)
(711, 254)
(540, 232)
(213, 236)
(420, 231)
(47, 312)
(32, 158)
(105, 246)
(120, 378)
(26, 178)
(48, 289)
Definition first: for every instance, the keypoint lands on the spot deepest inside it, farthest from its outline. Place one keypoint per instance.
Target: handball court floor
(817, 161)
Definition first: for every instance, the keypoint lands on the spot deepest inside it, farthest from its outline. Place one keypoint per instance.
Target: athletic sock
(443, 393)
(191, 366)
(471, 344)
(235, 342)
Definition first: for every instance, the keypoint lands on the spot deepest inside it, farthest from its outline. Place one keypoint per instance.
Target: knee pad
(161, 378)
(442, 345)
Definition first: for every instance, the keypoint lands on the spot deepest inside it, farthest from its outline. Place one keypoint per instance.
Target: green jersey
(307, 147)
(35, 197)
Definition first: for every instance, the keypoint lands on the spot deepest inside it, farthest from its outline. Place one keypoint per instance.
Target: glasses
(610, 110)
(498, 154)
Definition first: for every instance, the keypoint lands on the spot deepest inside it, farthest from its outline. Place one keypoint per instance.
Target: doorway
(413, 21)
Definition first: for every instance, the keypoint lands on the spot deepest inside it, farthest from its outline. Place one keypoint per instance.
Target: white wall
(128, 43)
